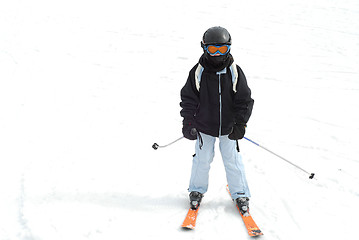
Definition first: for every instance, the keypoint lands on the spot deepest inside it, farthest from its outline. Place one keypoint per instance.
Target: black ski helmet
(216, 35)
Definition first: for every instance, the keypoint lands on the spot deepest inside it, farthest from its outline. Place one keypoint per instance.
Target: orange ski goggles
(214, 49)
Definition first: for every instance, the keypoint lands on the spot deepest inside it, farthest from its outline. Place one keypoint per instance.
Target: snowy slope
(86, 87)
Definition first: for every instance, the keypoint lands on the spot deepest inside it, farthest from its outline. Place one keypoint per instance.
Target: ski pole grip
(193, 132)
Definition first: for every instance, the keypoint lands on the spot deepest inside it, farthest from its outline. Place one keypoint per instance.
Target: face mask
(216, 61)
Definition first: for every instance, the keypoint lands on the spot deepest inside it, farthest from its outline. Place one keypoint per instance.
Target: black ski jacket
(216, 107)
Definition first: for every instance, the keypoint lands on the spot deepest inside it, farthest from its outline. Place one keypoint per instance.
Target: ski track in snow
(87, 87)
(26, 232)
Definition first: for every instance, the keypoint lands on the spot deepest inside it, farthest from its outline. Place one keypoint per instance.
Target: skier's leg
(233, 164)
(201, 164)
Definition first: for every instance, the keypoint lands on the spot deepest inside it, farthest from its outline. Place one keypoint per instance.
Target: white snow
(86, 88)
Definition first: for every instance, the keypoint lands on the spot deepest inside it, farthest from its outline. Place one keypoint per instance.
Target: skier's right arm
(189, 104)
(189, 98)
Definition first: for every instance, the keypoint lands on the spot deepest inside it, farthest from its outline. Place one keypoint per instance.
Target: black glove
(189, 131)
(238, 131)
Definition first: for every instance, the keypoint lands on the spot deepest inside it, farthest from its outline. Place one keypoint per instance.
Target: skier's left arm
(243, 102)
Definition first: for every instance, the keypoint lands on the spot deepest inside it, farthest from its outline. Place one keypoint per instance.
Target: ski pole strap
(200, 140)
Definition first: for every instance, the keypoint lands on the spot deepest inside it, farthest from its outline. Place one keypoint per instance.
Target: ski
(251, 226)
(190, 220)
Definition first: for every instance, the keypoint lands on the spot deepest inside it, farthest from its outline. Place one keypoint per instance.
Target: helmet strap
(202, 45)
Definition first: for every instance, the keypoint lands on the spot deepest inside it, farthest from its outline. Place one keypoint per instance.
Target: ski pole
(311, 175)
(155, 146)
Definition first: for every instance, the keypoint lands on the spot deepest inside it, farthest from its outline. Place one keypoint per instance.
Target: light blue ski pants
(232, 161)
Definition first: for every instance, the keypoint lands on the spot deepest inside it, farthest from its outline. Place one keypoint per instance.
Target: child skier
(216, 103)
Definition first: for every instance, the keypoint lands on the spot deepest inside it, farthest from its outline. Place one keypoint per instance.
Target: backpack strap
(198, 75)
(234, 74)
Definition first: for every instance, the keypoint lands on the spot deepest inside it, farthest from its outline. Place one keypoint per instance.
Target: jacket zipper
(220, 106)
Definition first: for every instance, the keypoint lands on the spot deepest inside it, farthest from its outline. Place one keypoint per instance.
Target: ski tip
(188, 227)
(190, 220)
(256, 234)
